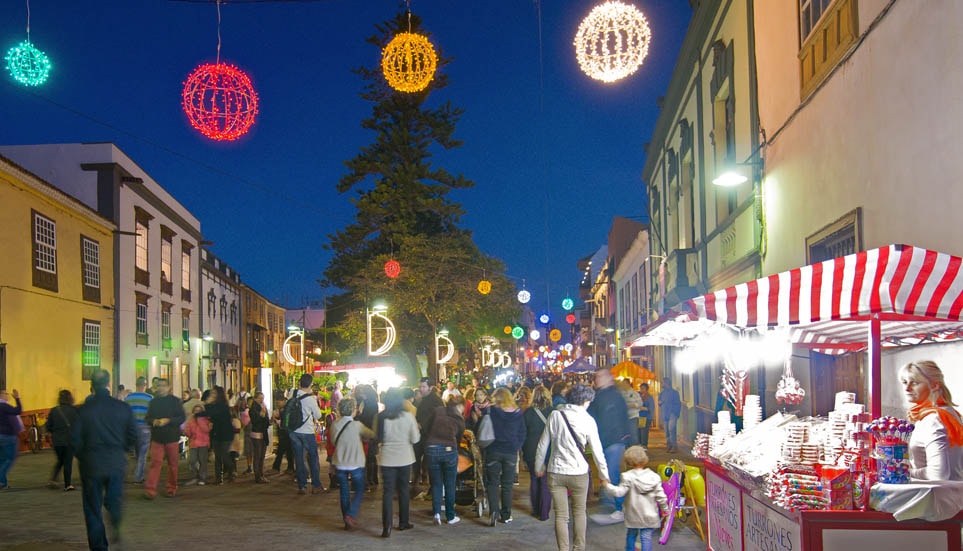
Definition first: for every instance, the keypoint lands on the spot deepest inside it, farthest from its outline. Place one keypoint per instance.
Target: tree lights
(220, 101)
(392, 269)
(612, 41)
(28, 65)
(409, 62)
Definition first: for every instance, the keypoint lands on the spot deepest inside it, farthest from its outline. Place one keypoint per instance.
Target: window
(211, 304)
(827, 30)
(233, 313)
(186, 270)
(141, 318)
(141, 227)
(840, 238)
(91, 348)
(167, 252)
(223, 309)
(90, 258)
(186, 330)
(166, 343)
(44, 252)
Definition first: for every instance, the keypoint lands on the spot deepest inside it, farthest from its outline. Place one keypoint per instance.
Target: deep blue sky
(554, 154)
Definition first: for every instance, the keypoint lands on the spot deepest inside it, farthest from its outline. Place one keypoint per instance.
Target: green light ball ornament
(568, 304)
(28, 65)
(517, 332)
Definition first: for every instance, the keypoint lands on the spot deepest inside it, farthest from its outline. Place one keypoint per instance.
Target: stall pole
(875, 367)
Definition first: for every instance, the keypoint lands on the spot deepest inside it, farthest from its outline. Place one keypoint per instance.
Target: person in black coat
(59, 425)
(216, 409)
(104, 433)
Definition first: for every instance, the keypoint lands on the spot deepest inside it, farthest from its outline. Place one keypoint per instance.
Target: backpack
(292, 418)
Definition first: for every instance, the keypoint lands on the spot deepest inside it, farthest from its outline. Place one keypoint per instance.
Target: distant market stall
(899, 295)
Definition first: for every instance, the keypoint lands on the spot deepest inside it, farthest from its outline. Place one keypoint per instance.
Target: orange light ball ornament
(220, 101)
(409, 62)
(392, 269)
(507, 329)
(554, 335)
(484, 286)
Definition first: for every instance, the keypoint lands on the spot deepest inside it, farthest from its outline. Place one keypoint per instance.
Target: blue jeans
(500, 472)
(613, 460)
(442, 470)
(100, 492)
(351, 503)
(669, 425)
(643, 534)
(8, 454)
(143, 444)
(301, 443)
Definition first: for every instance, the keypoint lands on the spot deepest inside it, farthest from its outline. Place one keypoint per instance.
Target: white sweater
(566, 458)
(644, 497)
(930, 453)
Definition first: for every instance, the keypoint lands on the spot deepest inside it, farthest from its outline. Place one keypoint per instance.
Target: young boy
(644, 498)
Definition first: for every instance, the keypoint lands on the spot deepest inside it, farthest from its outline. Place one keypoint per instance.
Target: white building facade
(220, 357)
(156, 250)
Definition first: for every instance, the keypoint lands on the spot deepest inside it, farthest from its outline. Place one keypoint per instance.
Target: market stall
(892, 296)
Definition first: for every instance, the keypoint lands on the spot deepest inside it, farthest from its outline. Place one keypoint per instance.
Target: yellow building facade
(56, 290)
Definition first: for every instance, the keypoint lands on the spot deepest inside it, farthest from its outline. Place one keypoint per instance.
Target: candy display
(891, 446)
(789, 392)
(751, 412)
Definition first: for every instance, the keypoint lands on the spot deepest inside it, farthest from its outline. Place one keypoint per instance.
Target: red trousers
(159, 452)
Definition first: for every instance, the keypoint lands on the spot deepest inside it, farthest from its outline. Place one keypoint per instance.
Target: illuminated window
(167, 257)
(186, 330)
(141, 228)
(91, 348)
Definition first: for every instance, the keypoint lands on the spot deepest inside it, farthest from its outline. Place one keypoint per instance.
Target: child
(198, 432)
(644, 498)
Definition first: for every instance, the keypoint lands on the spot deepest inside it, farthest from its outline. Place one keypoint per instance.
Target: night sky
(554, 155)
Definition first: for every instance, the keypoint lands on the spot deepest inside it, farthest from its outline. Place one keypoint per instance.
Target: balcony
(682, 280)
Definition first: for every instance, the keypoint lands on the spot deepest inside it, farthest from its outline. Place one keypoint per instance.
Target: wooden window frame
(42, 259)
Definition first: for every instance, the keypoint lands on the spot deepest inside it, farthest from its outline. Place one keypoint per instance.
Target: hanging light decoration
(544, 319)
(392, 268)
(570, 318)
(554, 335)
(409, 60)
(535, 334)
(517, 332)
(28, 65)
(612, 41)
(218, 98)
(567, 304)
(484, 286)
(524, 296)
(508, 329)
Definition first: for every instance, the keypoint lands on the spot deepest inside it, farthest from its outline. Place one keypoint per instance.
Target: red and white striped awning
(916, 293)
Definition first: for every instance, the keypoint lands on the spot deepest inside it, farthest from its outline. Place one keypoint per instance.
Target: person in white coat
(568, 430)
(936, 444)
(644, 498)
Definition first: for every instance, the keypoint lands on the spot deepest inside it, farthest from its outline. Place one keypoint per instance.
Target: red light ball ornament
(570, 318)
(392, 269)
(220, 101)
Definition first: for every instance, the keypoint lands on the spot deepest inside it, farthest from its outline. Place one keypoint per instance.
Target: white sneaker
(455, 520)
(201, 483)
(614, 517)
(437, 520)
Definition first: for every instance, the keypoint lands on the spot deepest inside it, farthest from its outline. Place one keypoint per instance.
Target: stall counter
(742, 519)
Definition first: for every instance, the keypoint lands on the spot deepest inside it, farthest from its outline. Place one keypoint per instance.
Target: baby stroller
(470, 480)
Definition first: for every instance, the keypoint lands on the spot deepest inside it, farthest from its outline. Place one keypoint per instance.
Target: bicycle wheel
(33, 440)
(672, 494)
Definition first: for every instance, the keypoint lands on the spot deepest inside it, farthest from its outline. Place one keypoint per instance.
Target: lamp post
(378, 312)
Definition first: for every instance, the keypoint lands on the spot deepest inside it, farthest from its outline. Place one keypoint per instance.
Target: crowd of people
(402, 439)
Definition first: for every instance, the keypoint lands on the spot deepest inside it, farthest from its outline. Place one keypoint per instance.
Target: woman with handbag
(259, 436)
(569, 429)
(59, 425)
(443, 434)
(501, 456)
(397, 432)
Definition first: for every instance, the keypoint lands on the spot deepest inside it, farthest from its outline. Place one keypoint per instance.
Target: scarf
(950, 420)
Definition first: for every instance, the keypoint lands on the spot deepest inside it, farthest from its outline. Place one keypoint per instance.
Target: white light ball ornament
(524, 296)
(612, 41)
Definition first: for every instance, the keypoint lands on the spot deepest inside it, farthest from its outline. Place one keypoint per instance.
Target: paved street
(243, 515)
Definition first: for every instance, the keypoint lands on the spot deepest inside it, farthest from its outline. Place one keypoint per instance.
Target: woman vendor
(936, 444)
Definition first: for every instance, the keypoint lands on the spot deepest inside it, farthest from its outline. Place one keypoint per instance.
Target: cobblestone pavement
(244, 515)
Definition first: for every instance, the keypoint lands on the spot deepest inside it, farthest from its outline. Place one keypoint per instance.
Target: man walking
(303, 440)
(165, 415)
(104, 432)
(612, 417)
(670, 407)
(138, 402)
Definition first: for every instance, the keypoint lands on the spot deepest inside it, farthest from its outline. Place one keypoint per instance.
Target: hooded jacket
(644, 498)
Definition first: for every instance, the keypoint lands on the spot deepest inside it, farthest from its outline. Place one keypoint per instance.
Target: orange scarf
(950, 420)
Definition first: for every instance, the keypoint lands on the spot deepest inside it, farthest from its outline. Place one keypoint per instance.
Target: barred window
(45, 243)
(91, 260)
(91, 350)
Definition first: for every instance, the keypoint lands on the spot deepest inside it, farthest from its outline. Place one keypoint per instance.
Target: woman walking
(501, 456)
(222, 434)
(60, 423)
(349, 460)
(443, 433)
(397, 433)
(259, 436)
(535, 419)
(569, 429)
